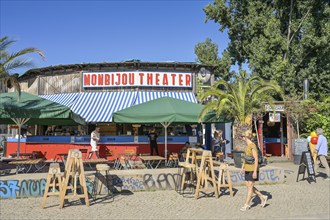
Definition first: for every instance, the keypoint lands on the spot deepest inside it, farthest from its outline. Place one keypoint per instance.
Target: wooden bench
(25, 165)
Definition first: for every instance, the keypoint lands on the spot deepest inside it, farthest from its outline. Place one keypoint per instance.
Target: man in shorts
(95, 138)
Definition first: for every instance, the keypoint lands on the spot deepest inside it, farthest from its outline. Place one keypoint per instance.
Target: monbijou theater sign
(137, 78)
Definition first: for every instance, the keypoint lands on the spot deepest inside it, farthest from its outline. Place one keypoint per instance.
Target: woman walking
(250, 168)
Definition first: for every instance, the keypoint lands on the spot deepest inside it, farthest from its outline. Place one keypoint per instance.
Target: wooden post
(189, 164)
(54, 181)
(223, 172)
(205, 174)
(74, 171)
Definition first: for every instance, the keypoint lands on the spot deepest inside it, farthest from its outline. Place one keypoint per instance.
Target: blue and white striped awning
(66, 99)
(149, 96)
(99, 106)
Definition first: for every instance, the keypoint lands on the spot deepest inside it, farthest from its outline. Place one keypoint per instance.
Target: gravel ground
(291, 200)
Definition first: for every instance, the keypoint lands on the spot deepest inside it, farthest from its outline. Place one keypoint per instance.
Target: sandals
(264, 200)
(245, 207)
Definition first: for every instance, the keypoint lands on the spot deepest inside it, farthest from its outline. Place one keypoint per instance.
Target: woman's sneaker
(245, 207)
(264, 200)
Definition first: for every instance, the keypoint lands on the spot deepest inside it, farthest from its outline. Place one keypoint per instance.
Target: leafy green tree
(318, 116)
(282, 40)
(239, 100)
(296, 111)
(207, 53)
(12, 61)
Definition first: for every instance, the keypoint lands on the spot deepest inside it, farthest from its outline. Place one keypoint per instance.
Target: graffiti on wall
(162, 181)
(24, 188)
(271, 175)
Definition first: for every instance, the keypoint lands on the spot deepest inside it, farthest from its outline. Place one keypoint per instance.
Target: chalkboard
(300, 145)
(306, 164)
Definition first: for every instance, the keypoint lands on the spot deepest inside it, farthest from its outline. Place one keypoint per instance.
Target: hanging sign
(137, 78)
(277, 108)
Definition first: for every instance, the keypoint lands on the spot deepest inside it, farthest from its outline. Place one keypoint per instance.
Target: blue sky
(71, 32)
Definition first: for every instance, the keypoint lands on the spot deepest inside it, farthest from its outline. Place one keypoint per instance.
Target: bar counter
(109, 146)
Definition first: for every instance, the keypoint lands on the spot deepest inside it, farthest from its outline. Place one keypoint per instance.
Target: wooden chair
(130, 157)
(84, 153)
(121, 162)
(189, 166)
(206, 175)
(74, 179)
(53, 183)
(219, 156)
(173, 160)
(38, 154)
(223, 178)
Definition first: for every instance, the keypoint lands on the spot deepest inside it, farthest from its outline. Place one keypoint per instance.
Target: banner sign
(138, 78)
(277, 108)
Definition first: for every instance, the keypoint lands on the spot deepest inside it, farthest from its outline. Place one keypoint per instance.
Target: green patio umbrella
(33, 110)
(165, 110)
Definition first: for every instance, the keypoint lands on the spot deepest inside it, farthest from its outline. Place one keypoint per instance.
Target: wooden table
(89, 162)
(23, 155)
(95, 161)
(25, 165)
(152, 162)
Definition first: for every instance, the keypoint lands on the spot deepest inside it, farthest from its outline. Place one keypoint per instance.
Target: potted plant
(238, 100)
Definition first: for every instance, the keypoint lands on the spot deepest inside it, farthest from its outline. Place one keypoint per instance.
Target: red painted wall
(273, 148)
(50, 150)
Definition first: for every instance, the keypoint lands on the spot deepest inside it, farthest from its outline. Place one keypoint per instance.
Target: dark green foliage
(282, 40)
(318, 117)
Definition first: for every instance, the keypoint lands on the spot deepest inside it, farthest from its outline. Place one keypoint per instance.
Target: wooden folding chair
(129, 154)
(84, 153)
(173, 160)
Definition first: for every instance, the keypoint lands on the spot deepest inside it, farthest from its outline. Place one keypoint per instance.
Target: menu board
(300, 145)
(306, 164)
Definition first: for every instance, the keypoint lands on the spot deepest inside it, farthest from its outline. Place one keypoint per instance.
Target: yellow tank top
(248, 152)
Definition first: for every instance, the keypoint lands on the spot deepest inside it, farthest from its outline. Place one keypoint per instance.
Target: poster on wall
(274, 117)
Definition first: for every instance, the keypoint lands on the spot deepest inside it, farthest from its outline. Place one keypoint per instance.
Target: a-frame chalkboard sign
(306, 164)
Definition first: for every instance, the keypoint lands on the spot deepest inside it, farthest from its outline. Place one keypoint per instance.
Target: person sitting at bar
(58, 131)
(199, 146)
(49, 131)
(183, 151)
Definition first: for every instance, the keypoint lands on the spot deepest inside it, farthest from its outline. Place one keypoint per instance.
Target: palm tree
(239, 100)
(11, 61)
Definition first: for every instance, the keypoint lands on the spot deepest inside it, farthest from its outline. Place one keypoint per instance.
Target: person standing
(321, 150)
(95, 138)
(49, 131)
(222, 142)
(153, 141)
(183, 152)
(250, 169)
(215, 142)
(312, 141)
